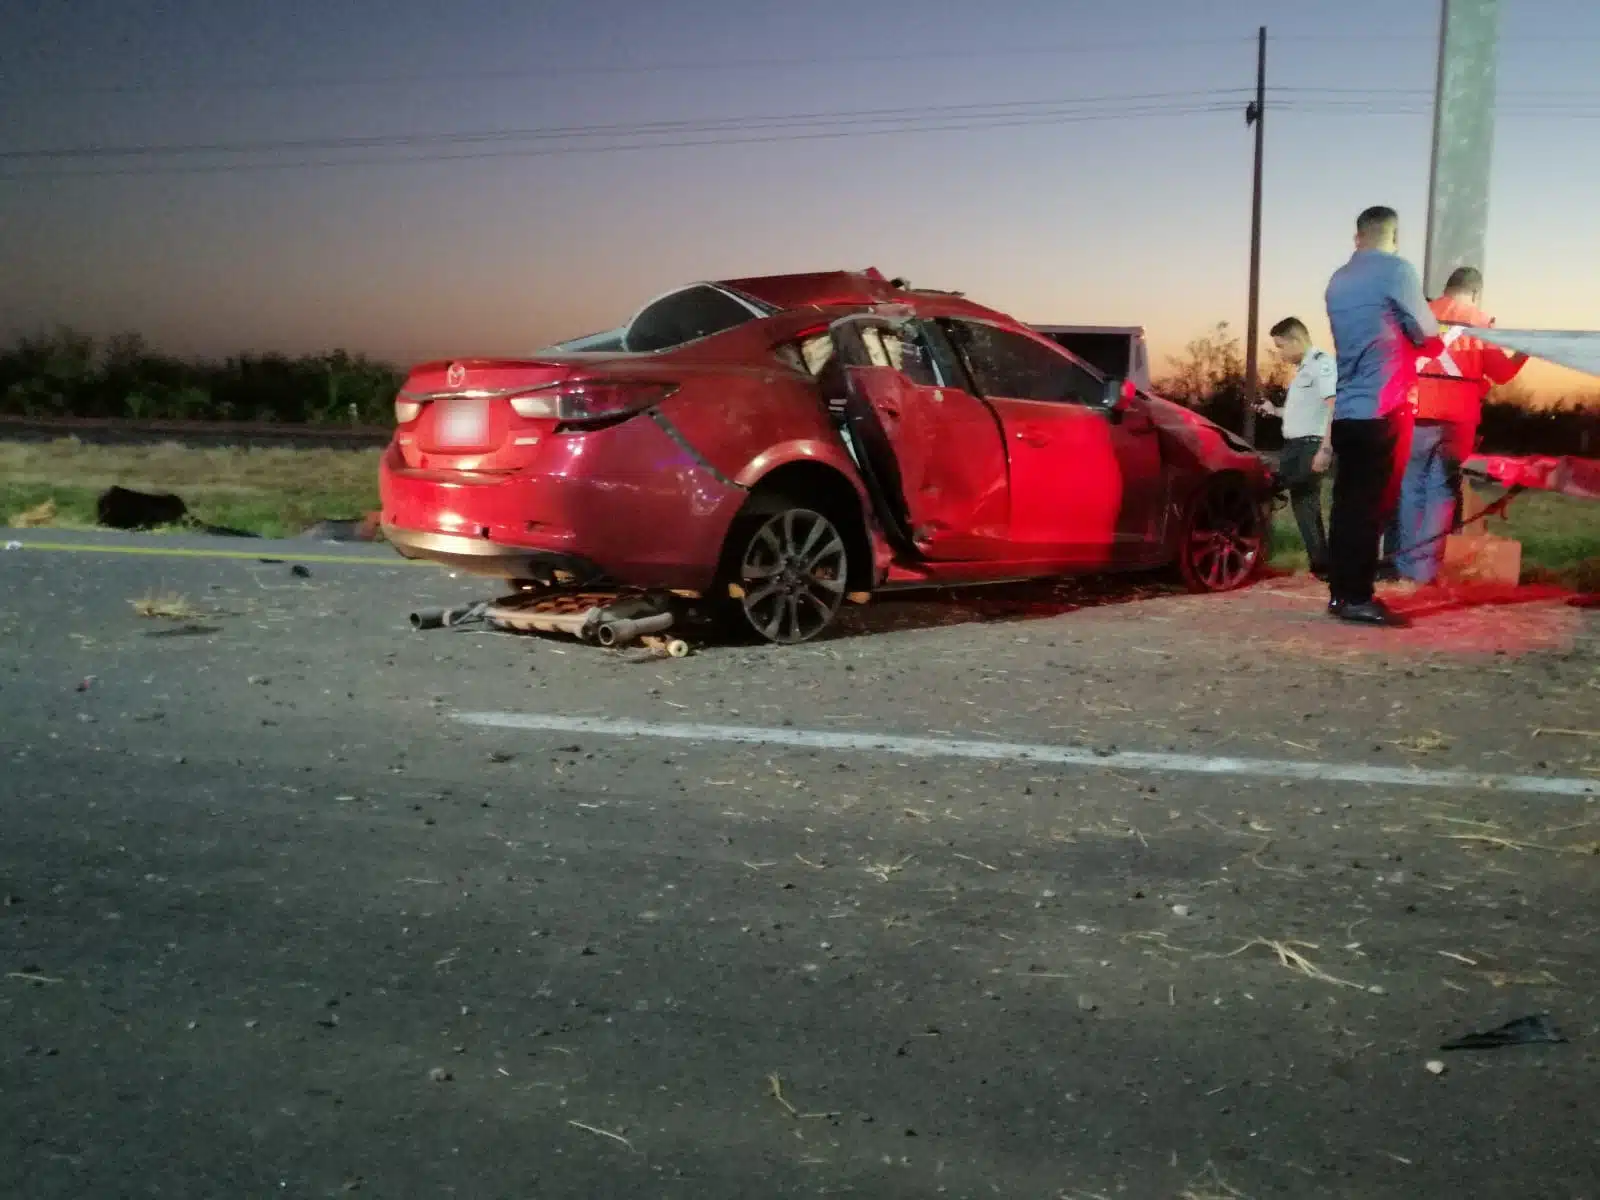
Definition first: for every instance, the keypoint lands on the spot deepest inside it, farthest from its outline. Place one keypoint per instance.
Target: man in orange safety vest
(1451, 387)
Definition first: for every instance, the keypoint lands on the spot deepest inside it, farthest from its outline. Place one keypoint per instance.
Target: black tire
(1224, 541)
(786, 569)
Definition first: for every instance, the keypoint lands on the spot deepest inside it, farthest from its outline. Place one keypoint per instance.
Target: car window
(901, 348)
(904, 352)
(1004, 363)
(684, 317)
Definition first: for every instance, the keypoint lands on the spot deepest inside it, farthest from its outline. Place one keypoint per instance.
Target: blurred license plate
(464, 422)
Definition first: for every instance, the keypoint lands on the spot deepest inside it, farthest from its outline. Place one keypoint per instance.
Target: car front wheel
(1224, 538)
(788, 569)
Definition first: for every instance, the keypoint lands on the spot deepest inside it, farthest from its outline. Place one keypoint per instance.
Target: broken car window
(815, 352)
(1003, 363)
(902, 350)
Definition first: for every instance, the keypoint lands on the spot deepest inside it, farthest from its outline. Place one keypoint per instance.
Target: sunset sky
(1099, 171)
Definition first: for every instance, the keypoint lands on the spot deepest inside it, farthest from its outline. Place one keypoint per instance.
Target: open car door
(932, 455)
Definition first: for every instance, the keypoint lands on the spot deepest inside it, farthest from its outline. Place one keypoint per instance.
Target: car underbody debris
(608, 619)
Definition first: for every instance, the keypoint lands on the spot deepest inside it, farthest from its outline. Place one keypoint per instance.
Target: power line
(904, 119)
(1519, 93)
(996, 109)
(909, 122)
(1426, 110)
(551, 151)
(412, 79)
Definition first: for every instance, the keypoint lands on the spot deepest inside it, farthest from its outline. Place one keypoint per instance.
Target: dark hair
(1290, 327)
(1375, 218)
(1464, 279)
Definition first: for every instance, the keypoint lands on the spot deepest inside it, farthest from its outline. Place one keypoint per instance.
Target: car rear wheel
(788, 567)
(1224, 538)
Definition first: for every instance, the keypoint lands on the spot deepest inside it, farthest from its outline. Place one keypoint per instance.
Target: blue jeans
(1427, 500)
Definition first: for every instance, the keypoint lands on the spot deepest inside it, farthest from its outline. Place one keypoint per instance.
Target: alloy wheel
(1225, 540)
(792, 575)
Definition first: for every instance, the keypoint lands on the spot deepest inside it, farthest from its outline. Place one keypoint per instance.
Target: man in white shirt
(1307, 414)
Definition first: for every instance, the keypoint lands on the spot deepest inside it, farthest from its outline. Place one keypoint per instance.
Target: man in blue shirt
(1381, 323)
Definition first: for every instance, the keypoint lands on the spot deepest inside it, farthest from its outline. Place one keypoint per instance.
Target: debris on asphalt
(166, 606)
(1180, 910)
(775, 1090)
(1291, 958)
(33, 977)
(1210, 1186)
(605, 1133)
(300, 572)
(655, 647)
(440, 1075)
(1524, 1031)
(1424, 743)
(1436, 1067)
(1503, 979)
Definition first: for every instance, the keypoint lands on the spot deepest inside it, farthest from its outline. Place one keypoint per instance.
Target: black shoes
(1370, 612)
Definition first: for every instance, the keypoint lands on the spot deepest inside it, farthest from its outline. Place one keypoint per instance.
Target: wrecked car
(782, 446)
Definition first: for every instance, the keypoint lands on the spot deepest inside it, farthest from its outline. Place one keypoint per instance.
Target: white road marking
(1065, 756)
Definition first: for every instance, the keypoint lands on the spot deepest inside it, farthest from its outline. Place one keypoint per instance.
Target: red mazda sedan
(785, 445)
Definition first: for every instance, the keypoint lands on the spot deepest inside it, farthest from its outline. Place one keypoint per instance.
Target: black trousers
(1366, 492)
(1305, 496)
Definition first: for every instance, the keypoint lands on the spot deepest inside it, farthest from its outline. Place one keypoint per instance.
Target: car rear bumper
(479, 556)
(637, 510)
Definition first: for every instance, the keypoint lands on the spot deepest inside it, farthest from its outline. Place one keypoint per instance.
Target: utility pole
(1254, 114)
(1463, 139)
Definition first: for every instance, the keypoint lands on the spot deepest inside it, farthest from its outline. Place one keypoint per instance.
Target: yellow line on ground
(189, 552)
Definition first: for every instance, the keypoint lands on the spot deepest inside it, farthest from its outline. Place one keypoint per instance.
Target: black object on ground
(123, 508)
(1524, 1031)
(222, 530)
(332, 530)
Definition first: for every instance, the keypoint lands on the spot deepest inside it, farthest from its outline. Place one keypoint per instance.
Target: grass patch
(1560, 536)
(270, 491)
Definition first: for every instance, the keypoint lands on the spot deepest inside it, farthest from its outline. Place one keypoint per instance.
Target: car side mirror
(1119, 394)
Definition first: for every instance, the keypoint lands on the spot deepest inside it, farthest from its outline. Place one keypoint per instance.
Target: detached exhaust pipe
(443, 618)
(620, 633)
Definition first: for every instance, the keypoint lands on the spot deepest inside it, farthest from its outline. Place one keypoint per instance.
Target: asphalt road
(279, 922)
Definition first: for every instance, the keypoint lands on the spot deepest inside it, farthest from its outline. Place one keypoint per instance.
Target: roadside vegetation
(68, 374)
(272, 492)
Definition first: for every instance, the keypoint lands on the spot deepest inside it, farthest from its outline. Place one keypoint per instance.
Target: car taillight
(406, 411)
(591, 400)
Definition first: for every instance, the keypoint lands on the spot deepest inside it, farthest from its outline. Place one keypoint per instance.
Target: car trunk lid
(458, 415)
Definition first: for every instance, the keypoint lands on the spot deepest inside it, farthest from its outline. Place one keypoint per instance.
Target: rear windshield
(685, 316)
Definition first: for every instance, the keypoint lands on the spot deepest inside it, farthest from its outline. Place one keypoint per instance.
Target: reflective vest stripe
(1444, 366)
